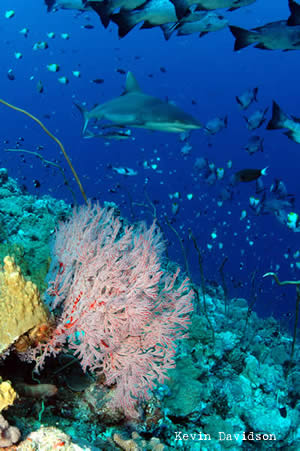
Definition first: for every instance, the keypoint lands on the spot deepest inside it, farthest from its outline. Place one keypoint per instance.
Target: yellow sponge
(21, 307)
(7, 394)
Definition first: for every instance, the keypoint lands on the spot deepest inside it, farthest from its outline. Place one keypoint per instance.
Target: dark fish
(40, 87)
(88, 26)
(98, 81)
(36, 183)
(10, 75)
(121, 71)
(279, 35)
(282, 120)
(283, 412)
(249, 175)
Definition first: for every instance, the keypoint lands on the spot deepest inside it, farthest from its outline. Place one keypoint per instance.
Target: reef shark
(136, 109)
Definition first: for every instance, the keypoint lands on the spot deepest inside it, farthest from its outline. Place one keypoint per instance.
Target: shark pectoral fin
(88, 134)
(261, 46)
(84, 114)
(114, 125)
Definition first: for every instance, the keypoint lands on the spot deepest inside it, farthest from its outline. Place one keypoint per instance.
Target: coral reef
(21, 307)
(233, 391)
(137, 443)
(235, 386)
(48, 439)
(26, 224)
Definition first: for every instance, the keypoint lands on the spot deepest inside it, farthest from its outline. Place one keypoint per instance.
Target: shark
(136, 109)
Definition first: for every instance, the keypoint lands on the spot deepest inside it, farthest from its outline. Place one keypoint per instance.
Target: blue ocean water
(202, 76)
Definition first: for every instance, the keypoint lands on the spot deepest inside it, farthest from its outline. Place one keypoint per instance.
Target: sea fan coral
(119, 311)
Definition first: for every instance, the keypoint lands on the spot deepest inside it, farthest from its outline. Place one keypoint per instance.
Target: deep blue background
(205, 70)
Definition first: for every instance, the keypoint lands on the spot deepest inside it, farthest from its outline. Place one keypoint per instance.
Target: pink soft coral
(120, 312)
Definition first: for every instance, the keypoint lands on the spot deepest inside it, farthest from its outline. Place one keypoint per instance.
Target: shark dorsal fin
(131, 84)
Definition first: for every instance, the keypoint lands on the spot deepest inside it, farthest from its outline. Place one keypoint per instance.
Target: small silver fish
(216, 125)
(255, 144)
(245, 99)
(256, 119)
(124, 171)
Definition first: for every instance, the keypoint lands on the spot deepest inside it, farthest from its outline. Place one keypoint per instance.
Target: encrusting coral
(21, 307)
(8, 434)
(136, 443)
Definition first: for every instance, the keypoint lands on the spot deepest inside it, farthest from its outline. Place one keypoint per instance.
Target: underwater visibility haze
(149, 224)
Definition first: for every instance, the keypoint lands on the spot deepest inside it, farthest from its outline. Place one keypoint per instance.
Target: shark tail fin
(243, 37)
(278, 118)
(49, 4)
(104, 11)
(125, 21)
(84, 114)
(181, 8)
(294, 18)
